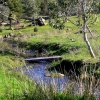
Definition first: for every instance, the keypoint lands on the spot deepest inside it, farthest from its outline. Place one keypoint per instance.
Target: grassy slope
(48, 35)
(11, 83)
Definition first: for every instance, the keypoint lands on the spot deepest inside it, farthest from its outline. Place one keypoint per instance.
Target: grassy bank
(10, 82)
(68, 43)
(16, 86)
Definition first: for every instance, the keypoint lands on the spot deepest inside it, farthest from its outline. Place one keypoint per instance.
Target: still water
(38, 73)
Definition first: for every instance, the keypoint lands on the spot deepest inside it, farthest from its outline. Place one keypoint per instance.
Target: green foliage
(30, 8)
(15, 6)
(44, 7)
(97, 73)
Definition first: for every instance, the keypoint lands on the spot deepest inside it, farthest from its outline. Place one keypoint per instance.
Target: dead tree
(84, 18)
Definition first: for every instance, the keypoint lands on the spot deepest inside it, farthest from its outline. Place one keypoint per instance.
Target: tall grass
(14, 85)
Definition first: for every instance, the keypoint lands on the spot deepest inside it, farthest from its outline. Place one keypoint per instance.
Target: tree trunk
(10, 21)
(89, 31)
(88, 44)
(85, 28)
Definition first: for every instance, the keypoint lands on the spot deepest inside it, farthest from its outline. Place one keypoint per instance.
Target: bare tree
(80, 8)
(83, 4)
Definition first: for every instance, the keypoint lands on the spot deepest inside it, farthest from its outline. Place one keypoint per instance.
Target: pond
(43, 77)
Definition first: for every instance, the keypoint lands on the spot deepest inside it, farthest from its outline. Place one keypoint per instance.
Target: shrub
(35, 29)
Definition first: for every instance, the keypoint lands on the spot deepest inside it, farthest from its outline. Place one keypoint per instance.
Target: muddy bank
(76, 67)
(67, 66)
(43, 49)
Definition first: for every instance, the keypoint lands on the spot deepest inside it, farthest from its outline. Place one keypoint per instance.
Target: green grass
(47, 35)
(64, 41)
(16, 86)
(12, 83)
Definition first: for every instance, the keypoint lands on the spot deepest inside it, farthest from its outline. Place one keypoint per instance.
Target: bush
(35, 29)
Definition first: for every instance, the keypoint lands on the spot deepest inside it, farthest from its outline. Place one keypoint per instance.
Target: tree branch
(89, 30)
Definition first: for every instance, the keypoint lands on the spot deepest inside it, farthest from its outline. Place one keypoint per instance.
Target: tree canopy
(15, 6)
(30, 7)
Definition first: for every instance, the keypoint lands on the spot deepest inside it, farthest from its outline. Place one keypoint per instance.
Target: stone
(48, 74)
(39, 21)
(54, 74)
(61, 75)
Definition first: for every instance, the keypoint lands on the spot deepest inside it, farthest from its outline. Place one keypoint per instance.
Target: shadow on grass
(55, 48)
(6, 53)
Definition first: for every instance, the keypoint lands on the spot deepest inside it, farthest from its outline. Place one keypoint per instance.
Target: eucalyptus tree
(83, 9)
(4, 12)
(15, 7)
(44, 7)
(31, 7)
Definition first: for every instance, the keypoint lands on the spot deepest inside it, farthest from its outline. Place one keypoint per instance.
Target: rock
(48, 74)
(61, 75)
(57, 75)
(39, 21)
(43, 21)
(72, 40)
(52, 74)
